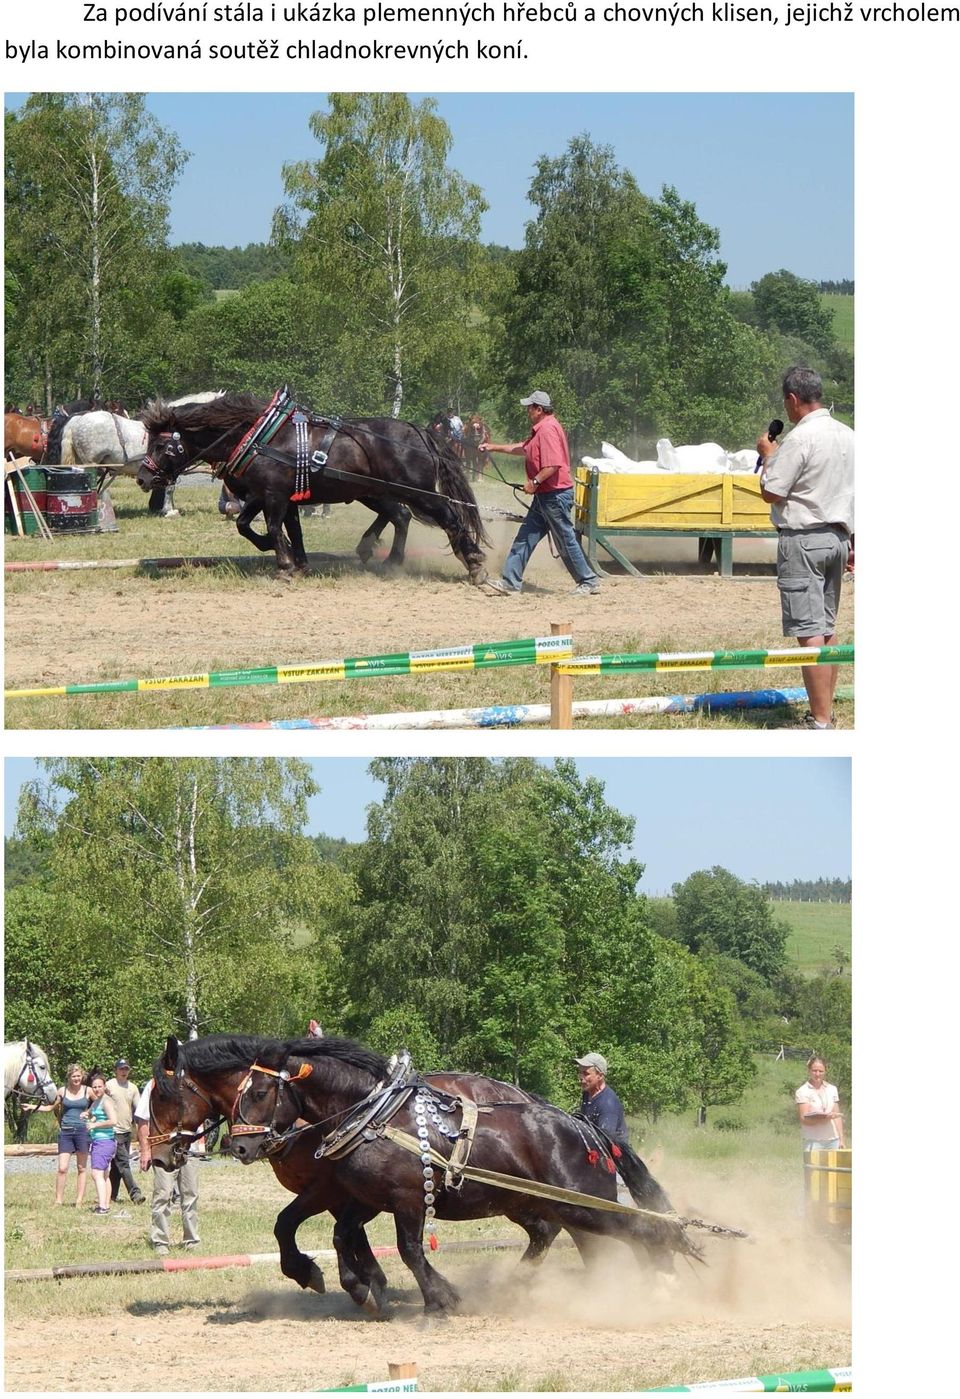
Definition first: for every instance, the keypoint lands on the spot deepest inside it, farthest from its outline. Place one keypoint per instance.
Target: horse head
(178, 1109)
(35, 1078)
(166, 455)
(265, 1106)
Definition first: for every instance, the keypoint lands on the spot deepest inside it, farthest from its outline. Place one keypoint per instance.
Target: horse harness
(36, 1079)
(368, 1120)
(181, 1136)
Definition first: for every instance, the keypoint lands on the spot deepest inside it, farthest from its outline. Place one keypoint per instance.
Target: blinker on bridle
(239, 1128)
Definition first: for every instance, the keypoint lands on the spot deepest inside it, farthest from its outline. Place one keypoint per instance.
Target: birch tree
(188, 887)
(388, 235)
(93, 174)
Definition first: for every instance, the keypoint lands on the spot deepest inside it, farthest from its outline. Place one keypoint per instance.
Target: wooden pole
(42, 526)
(12, 494)
(561, 687)
(404, 1370)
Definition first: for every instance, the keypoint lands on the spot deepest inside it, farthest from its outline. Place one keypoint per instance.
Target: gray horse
(118, 445)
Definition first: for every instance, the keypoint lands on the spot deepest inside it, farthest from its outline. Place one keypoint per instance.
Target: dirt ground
(65, 628)
(776, 1304)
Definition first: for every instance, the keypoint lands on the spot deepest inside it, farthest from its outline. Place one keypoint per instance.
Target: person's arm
(109, 1109)
(513, 449)
(143, 1131)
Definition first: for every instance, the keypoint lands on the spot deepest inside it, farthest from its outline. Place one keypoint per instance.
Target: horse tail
(67, 454)
(650, 1195)
(454, 486)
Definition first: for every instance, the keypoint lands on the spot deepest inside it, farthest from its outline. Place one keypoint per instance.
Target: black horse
(395, 468)
(208, 1073)
(326, 1081)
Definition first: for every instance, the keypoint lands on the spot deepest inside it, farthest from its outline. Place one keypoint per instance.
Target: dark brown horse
(204, 1077)
(326, 1081)
(275, 455)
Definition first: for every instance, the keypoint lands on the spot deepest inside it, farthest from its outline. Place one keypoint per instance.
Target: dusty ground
(76, 627)
(777, 1304)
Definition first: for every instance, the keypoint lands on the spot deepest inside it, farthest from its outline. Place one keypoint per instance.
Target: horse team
(394, 468)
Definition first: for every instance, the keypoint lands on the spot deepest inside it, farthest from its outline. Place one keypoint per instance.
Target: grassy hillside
(842, 308)
(815, 930)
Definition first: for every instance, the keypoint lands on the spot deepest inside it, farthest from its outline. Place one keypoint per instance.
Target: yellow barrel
(829, 1190)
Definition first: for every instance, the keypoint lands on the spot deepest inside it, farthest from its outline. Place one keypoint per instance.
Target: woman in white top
(818, 1107)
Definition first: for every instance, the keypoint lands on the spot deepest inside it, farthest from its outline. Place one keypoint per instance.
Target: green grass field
(815, 930)
(843, 317)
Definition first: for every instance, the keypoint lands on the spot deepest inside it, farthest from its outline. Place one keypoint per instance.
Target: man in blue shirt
(599, 1104)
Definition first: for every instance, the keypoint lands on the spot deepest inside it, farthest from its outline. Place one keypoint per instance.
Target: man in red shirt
(547, 462)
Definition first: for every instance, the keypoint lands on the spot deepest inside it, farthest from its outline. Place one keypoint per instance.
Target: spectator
(73, 1100)
(818, 1107)
(123, 1093)
(808, 480)
(185, 1181)
(547, 465)
(599, 1104)
(101, 1122)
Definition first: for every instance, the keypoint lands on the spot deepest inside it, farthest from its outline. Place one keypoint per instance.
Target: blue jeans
(832, 1145)
(549, 513)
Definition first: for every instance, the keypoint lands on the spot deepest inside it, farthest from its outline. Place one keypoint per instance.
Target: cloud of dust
(782, 1272)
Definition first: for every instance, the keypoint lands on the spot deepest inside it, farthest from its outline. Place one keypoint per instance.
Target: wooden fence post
(561, 687)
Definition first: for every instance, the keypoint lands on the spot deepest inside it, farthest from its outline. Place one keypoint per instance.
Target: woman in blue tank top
(73, 1101)
(102, 1122)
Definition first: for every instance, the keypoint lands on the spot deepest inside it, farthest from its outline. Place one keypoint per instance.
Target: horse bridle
(180, 1138)
(30, 1067)
(272, 1139)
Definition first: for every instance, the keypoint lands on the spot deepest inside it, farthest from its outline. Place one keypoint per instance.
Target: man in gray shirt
(123, 1093)
(808, 480)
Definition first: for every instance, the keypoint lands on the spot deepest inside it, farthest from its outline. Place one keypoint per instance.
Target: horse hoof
(315, 1280)
(169, 514)
(371, 1306)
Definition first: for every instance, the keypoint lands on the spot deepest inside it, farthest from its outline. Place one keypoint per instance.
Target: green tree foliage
(496, 906)
(90, 177)
(386, 236)
(717, 912)
(220, 268)
(786, 303)
(180, 886)
(822, 890)
(255, 341)
(619, 311)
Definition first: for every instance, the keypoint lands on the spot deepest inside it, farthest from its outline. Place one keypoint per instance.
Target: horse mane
(331, 1047)
(230, 1053)
(222, 413)
(211, 1054)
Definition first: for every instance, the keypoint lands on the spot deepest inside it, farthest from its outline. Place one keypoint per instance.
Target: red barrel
(71, 500)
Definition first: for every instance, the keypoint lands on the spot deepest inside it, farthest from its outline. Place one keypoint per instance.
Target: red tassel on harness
(593, 1157)
(607, 1161)
(617, 1153)
(300, 495)
(434, 1242)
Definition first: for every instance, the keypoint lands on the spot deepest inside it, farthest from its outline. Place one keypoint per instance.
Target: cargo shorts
(810, 568)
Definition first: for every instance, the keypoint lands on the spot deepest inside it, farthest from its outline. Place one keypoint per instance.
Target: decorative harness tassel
(301, 482)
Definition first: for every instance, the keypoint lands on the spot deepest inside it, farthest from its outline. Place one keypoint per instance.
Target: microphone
(773, 432)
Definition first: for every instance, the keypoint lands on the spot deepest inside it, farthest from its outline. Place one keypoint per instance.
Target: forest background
(491, 920)
(375, 295)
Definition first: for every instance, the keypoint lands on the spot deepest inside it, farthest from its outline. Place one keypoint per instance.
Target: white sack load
(705, 458)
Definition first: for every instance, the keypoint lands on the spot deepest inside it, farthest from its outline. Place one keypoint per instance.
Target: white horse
(119, 445)
(26, 1072)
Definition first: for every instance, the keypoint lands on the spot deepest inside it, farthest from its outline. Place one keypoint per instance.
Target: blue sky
(762, 818)
(772, 171)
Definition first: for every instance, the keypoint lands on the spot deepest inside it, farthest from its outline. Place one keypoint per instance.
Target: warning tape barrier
(629, 663)
(800, 1382)
(538, 650)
